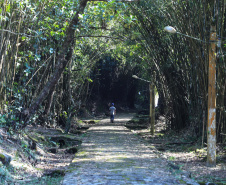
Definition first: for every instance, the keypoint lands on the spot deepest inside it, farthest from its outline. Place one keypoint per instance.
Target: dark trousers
(112, 117)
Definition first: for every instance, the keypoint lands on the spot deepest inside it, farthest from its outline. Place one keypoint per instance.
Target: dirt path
(112, 155)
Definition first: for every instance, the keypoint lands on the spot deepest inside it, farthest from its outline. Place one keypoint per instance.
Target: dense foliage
(180, 62)
(56, 56)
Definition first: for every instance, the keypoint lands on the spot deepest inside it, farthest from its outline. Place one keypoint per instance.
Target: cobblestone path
(112, 155)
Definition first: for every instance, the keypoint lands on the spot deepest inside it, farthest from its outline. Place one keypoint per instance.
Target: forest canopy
(58, 55)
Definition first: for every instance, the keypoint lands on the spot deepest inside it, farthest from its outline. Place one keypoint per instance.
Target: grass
(8, 176)
(171, 158)
(44, 180)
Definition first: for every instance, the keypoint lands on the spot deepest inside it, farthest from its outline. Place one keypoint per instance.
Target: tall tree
(63, 58)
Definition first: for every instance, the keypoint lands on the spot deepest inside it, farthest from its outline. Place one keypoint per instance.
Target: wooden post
(151, 108)
(211, 127)
(153, 111)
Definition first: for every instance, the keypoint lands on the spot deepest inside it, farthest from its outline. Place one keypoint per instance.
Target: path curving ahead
(112, 155)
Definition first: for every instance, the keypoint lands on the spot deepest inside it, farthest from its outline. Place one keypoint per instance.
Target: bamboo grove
(38, 36)
(181, 63)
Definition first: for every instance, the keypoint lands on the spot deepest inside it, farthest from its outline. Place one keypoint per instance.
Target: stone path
(112, 155)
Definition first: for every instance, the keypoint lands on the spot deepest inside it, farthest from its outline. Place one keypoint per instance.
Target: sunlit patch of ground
(22, 170)
(185, 154)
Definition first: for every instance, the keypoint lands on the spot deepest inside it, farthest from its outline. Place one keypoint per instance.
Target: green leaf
(2, 119)
(90, 80)
(56, 26)
(8, 8)
(23, 38)
(52, 33)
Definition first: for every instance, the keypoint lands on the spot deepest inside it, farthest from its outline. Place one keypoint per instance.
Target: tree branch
(126, 1)
(104, 36)
(17, 33)
(102, 28)
(38, 69)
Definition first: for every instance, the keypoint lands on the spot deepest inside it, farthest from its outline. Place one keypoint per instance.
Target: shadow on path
(112, 155)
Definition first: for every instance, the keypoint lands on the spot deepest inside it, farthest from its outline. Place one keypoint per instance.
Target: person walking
(112, 112)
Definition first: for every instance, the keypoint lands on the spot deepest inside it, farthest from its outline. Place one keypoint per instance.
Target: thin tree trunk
(50, 100)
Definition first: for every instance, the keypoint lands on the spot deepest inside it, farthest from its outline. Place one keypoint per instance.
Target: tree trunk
(64, 56)
(50, 100)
